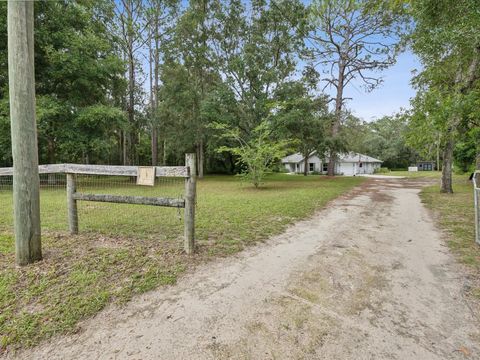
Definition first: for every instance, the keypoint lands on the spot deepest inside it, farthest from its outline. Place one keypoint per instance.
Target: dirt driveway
(369, 277)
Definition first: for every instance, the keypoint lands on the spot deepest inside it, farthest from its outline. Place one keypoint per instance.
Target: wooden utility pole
(26, 182)
(190, 199)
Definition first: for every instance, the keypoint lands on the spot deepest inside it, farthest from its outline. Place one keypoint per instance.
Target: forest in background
(139, 82)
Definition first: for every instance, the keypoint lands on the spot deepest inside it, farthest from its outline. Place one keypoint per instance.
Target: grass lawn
(415, 174)
(455, 215)
(123, 250)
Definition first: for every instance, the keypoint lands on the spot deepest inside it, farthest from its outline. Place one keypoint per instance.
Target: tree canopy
(143, 82)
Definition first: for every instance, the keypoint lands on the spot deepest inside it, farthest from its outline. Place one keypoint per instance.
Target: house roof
(294, 158)
(344, 158)
(356, 157)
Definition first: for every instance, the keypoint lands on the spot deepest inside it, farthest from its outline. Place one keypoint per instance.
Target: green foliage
(447, 40)
(387, 142)
(445, 30)
(382, 170)
(97, 125)
(302, 118)
(256, 50)
(188, 78)
(77, 69)
(385, 139)
(258, 153)
(467, 149)
(5, 139)
(224, 67)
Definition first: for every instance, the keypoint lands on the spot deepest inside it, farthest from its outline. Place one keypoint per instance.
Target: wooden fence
(187, 202)
(476, 197)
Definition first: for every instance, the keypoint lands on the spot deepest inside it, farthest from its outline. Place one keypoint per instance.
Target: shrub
(382, 170)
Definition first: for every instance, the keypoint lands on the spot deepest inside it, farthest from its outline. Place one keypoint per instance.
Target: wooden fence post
(26, 182)
(72, 204)
(190, 198)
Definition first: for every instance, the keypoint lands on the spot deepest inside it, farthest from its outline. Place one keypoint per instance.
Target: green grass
(415, 174)
(455, 215)
(123, 250)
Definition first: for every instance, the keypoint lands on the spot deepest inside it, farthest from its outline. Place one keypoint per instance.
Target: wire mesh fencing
(128, 219)
(108, 219)
(52, 202)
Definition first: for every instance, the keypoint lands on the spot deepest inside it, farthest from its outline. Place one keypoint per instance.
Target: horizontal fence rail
(135, 200)
(42, 169)
(114, 170)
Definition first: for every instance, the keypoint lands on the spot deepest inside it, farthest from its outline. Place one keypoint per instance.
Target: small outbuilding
(425, 165)
(349, 164)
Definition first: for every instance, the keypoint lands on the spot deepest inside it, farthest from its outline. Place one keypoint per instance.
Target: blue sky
(391, 96)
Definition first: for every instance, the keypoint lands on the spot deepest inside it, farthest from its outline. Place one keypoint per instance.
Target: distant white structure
(412, 168)
(349, 164)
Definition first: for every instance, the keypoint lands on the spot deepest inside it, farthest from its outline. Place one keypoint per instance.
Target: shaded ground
(367, 278)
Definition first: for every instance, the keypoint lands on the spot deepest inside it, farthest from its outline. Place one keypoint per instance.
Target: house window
(325, 167)
(311, 167)
(360, 165)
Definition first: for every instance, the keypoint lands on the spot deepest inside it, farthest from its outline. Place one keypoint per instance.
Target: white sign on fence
(146, 175)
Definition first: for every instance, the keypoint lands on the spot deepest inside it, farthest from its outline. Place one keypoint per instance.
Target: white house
(349, 164)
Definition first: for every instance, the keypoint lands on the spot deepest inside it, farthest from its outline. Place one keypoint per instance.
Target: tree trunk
(51, 151)
(131, 82)
(200, 159)
(154, 146)
(164, 152)
(331, 165)
(438, 156)
(120, 147)
(131, 106)
(154, 138)
(305, 164)
(51, 160)
(131, 147)
(124, 147)
(232, 163)
(26, 182)
(161, 155)
(337, 119)
(155, 87)
(446, 185)
(438, 152)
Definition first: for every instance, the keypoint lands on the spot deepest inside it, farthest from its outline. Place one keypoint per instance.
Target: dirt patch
(367, 278)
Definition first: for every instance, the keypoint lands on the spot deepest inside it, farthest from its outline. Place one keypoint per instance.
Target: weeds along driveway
(366, 278)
